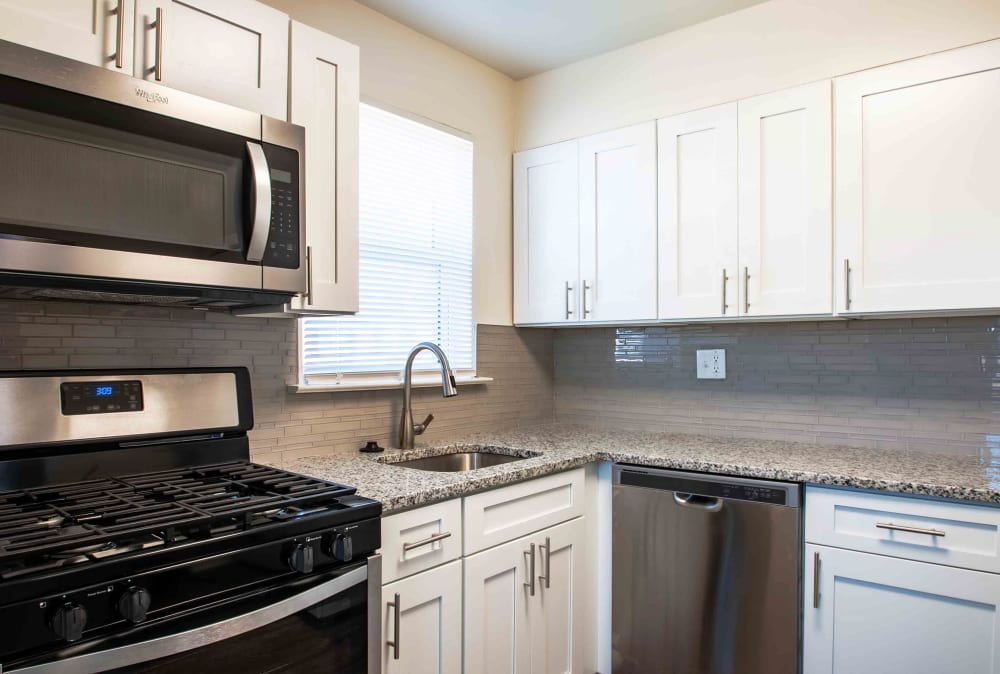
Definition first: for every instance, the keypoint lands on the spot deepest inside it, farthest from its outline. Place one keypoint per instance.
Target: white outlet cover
(711, 363)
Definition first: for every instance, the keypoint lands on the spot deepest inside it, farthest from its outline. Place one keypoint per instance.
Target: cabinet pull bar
(912, 530)
(119, 34)
(569, 309)
(548, 563)
(725, 279)
(847, 284)
(158, 67)
(816, 563)
(746, 290)
(586, 288)
(427, 541)
(395, 627)
(309, 275)
(530, 554)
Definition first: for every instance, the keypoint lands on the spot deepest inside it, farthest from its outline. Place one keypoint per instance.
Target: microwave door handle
(147, 651)
(261, 227)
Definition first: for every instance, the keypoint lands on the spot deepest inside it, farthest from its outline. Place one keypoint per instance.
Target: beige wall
(767, 47)
(411, 72)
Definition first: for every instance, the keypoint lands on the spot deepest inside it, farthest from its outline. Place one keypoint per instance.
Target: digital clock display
(101, 397)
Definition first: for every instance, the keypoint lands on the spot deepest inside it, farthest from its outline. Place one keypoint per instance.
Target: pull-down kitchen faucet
(407, 429)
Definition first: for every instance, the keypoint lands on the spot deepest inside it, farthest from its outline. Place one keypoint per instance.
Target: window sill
(383, 383)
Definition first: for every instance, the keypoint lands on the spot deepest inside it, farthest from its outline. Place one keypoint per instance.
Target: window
(415, 236)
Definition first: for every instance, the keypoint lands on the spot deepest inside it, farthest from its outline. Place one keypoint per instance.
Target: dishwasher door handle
(707, 503)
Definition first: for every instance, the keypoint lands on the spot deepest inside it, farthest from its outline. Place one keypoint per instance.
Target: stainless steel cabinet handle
(816, 563)
(119, 33)
(530, 554)
(158, 66)
(569, 309)
(746, 290)
(548, 563)
(912, 530)
(427, 541)
(309, 275)
(700, 502)
(586, 288)
(847, 284)
(261, 227)
(395, 627)
(725, 280)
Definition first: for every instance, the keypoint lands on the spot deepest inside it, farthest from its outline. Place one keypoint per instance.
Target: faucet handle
(418, 429)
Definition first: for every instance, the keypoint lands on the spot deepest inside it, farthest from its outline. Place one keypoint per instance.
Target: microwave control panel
(283, 241)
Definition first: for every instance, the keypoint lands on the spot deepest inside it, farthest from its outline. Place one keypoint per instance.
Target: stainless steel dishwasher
(706, 574)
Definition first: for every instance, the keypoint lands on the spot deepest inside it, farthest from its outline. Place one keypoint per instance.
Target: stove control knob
(300, 558)
(342, 548)
(133, 605)
(68, 621)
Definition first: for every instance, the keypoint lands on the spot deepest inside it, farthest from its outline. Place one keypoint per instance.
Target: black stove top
(55, 526)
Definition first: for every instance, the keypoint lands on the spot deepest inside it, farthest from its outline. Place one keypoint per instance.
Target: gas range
(110, 571)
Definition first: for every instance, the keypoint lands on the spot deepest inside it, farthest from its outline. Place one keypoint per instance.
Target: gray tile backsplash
(921, 384)
(289, 425)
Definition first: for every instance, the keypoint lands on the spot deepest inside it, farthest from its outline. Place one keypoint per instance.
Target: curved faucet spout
(407, 429)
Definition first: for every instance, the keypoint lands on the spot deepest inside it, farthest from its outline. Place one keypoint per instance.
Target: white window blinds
(415, 235)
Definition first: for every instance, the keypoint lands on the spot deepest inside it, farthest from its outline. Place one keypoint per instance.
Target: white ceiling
(525, 37)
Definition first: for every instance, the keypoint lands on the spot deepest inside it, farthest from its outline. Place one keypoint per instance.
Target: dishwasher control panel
(740, 489)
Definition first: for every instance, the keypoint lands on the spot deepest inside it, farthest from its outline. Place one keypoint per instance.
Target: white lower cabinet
(422, 622)
(896, 616)
(523, 604)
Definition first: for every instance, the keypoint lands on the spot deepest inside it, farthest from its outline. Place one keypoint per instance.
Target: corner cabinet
(918, 209)
(585, 229)
(233, 51)
(899, 585)
(98, 32)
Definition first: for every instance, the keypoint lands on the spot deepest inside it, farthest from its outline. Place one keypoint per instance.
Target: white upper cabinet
(546, 235)
(697, 214)
(785, 202)
(618, 224)
(98, 32)
(325, 98)
(233, 51)
(917, 203)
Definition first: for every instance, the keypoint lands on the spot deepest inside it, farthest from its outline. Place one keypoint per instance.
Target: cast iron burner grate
(53, 526)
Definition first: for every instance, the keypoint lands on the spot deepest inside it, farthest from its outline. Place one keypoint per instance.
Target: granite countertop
(556, 447)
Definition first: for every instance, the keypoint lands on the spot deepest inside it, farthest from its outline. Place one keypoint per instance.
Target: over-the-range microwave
(113, 188)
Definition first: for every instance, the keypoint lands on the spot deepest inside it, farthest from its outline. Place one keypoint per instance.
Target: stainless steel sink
(459, 462)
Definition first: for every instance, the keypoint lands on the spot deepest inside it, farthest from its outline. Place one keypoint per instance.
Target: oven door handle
(146, 651)
(261, 227)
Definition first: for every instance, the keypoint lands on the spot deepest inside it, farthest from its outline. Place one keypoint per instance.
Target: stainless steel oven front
(325, 623)
(106, 176)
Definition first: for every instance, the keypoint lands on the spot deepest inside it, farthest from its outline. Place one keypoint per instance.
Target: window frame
(379, 380)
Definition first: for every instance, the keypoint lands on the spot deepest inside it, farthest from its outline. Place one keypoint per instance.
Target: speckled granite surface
(974, 477)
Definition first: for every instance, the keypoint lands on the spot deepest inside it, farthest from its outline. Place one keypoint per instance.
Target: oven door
(324, 624)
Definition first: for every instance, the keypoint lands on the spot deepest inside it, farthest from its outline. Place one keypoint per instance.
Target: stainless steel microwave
(116, 188)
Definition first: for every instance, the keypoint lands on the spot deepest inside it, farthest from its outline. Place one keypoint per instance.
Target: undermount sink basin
(460, 462)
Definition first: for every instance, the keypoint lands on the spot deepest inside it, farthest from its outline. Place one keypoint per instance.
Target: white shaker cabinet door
(618, 224)
(325, 99)
(785, 203)
(233, 51)
(917, 148)
(422, 623)
(98, 32)
(546, 235)
(697, 214)
(497, 592)
(870, 613)
(560, 609)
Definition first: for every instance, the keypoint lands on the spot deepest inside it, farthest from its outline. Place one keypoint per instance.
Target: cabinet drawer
(420, 539)
(501, 515)
(955, 534)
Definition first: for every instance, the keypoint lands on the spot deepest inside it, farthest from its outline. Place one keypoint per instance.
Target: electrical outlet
(711, 363)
